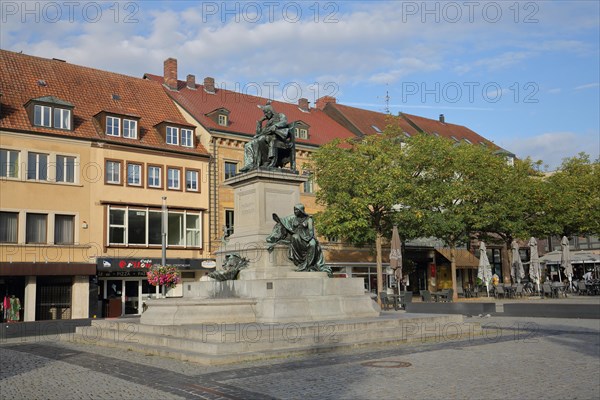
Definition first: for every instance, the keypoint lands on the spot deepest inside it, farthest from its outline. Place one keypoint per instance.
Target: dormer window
(42, 115)
(50, 112)
(172, 135)
(176, 134)
(186, 137)
(125, 127)
(301, 130)
(113, 126)
(118, 125)
(129, 128)
(220, 116)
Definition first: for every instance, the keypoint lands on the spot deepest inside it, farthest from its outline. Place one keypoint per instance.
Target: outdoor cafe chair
(519, 290)
(547, 290)
(425, 296)
(582, 288)
(460, 292)
(385, 301)
(499, 291)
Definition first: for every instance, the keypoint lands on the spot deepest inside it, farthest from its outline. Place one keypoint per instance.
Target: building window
(65, 169)
(186, 137)
(113, 126)
(308, 186)
(9, 163)
(64, 229)
(136, 226)
(154, 176)
(113, 172)
(173, 178)
(134, 174)
(175, 229)
(154, 227)
(62, 118)
(142, 227)
(192, 230)
(228, 223)
(191, 180)
(230, 169)
(37, 166)
(42, 115)
(36, 228)
(129, 128)
(8, 227)
(222, 120)
(172, 135)
(116, 226)
(301, 133)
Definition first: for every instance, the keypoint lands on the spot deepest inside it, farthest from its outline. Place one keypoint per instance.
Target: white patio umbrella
(534, 263)
(517, 272)
(396, 256)
(565, 259)
(484, 272)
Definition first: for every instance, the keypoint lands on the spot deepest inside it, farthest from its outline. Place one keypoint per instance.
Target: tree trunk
(453, 272)
(505, 252)
(378, 240)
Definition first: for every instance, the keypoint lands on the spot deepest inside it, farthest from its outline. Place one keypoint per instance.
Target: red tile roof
(244, 112)
(91, 92)
(363, 122)
(447, 130)
(366, 122)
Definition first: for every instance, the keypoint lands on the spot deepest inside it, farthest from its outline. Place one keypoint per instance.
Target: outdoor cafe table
(510, 291)
(558, 289)
(437, 295)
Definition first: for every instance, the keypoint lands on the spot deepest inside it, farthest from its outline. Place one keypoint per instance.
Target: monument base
(269, 290)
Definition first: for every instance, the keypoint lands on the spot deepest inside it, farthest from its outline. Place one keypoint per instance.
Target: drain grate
(386, 364)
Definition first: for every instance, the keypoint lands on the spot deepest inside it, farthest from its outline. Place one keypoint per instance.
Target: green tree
(451, 184)
(513, 206)
(574, 204)
(360, 182)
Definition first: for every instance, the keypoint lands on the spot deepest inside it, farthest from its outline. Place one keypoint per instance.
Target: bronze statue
(231, 268)
(273, 145)
(297, 231)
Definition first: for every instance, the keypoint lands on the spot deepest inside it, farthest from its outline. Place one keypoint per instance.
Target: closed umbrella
(517, 272)
(534, 263)
(484, 272)
(396, 256)
(565, 259)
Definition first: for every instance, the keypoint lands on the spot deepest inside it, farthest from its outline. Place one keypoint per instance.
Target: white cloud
(553, 147)
(588, 86)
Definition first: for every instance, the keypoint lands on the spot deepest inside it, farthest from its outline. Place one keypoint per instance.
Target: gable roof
(363, 122)
(447, 130)
(244, 111)
(90, 91)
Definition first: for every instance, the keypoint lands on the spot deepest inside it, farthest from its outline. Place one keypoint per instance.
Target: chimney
(170, 74)
(303, 104)
(442, 119)
(323, 101)
(191, 82)
(209, 84)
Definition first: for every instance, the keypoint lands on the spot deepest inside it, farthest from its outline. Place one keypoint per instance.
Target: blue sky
(525, 75)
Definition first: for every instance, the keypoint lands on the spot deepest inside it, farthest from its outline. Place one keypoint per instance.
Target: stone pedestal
(269, 290)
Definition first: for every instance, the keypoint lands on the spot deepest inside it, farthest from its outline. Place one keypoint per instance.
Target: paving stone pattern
(516, 358)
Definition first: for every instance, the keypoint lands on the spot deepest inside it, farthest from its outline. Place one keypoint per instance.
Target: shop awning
(464, 258)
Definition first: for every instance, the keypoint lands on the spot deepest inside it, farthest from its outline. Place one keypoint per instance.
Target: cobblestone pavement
(520, 358)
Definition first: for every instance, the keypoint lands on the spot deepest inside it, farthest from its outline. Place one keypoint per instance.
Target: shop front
(45, 291)
(123, 285)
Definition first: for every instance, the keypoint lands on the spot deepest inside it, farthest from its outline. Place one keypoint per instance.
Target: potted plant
(166, 276)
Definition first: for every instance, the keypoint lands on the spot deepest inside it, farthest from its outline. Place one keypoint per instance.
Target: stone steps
(221, 343)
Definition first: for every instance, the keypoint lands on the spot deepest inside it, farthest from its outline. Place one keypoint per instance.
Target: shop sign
(144, 264)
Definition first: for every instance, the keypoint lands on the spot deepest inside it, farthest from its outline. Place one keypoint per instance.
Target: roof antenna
(387, 102)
